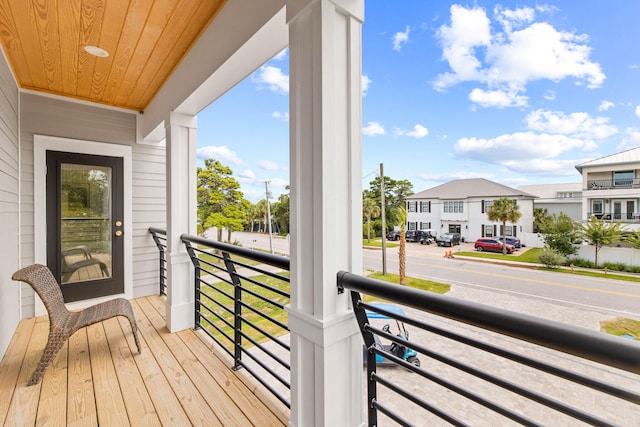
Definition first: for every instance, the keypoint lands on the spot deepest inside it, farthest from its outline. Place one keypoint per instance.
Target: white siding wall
(9, 206)
(55, 117)
(149, 205)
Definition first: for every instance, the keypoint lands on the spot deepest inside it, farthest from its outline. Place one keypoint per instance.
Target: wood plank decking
(99, 379)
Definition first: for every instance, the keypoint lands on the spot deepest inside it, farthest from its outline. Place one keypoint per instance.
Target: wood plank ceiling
(44, 43)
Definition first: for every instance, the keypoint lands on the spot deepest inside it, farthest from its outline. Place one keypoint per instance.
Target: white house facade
(611, 188)
(461, 206)
(557, 198)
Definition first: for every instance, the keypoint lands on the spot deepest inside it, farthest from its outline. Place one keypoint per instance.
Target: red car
(492, 245)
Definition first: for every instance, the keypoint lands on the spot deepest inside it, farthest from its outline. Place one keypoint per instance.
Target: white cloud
(631, 139)
(281, 55)
(550, 95)
(373, 129)
(282, 116)
(222, 153)
(400, 38)
(497, 98)
(577, 124)
(273, 77)
(418, 132)
(605, 105)
(278, 182)
(366, 82)
(268, 165)
(638, 110)
(506, 61)
(248, 174)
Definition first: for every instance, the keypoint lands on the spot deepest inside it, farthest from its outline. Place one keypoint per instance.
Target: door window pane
(85, 208)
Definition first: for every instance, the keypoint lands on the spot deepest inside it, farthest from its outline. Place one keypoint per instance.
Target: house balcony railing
(613, 184)
(497, 365)
(160, 238)
(616, 217)
(553, 374)
(240, 299)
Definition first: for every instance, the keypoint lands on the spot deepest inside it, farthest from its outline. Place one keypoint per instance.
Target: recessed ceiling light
(96, 51)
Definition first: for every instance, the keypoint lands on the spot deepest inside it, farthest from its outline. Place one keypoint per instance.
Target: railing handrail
(592, 345)
(262, 257)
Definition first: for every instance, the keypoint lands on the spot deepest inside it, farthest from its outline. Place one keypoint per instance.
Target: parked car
(448, 239)
(412, 235)
(492, 245)
(512, 241)
(393, 235)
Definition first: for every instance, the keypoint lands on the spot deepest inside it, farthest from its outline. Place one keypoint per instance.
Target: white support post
(181, 132)
(326, 209)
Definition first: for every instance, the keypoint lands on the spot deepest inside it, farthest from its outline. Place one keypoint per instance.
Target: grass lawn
(412, 282)
(377, 243)
(531, 255)
(621, 326)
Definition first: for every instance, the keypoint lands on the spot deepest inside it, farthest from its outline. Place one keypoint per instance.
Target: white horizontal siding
(9, 206)
(149, 210)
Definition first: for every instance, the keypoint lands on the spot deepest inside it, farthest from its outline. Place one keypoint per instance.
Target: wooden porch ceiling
(146, 40)
(97, 380)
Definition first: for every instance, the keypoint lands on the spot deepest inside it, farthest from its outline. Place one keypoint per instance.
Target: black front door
(85, 246)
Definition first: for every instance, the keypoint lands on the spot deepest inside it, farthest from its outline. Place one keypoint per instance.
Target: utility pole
(384, 227)
(266, 188)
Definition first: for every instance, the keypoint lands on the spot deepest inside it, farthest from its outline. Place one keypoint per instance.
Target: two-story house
(461, 206)
(557, 198)
(611, 188)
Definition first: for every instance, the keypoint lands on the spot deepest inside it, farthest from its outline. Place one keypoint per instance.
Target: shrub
(579, 262)
(550, 257)
(615, 266)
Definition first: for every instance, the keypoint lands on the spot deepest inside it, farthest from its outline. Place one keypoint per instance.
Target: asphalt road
(427, 261)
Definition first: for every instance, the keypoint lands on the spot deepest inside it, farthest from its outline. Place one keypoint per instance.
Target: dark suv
(393, 235)
(448, 239)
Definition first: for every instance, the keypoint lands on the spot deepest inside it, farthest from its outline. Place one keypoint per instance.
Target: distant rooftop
(628, 156)
(470, 188)
(550, 191)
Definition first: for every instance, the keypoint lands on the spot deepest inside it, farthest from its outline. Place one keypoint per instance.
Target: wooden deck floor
(178, 379)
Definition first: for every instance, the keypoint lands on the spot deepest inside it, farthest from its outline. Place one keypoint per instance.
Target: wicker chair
(62, 322)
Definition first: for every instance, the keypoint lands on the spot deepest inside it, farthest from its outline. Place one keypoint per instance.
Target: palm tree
(600, 233)
(371, 210)
(402, 251)
(504, 210)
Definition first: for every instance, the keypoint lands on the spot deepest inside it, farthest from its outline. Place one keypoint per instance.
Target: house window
(597, 207)
(623, 178)
(425, 225)
(488, 231)
(425, 206)
(508, 230)
(453, 207)
(487, 205)
(412, 206)
(411, 226)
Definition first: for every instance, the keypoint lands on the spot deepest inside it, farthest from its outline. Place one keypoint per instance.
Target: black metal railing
(240, 299)
(616, 217)
(160, 237)
(474, 350)
(611, 184)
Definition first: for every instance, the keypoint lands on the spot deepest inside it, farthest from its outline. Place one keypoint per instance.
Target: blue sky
(515, 92)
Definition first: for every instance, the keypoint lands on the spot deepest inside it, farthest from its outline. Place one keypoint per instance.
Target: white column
(181, 132)
(326, 209)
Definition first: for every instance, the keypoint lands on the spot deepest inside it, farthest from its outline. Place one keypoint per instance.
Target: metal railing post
(237, 311)
(196, 283)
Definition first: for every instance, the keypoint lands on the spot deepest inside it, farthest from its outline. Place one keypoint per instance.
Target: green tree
(395, 193)
(599, 233)
(217, 191)
(281, 212)
(370, 209)
(633, 239)
(504, 210)
(540, 215)
(560, 234)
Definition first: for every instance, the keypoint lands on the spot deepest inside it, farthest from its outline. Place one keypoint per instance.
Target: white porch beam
(326, 209)
(181, 218)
